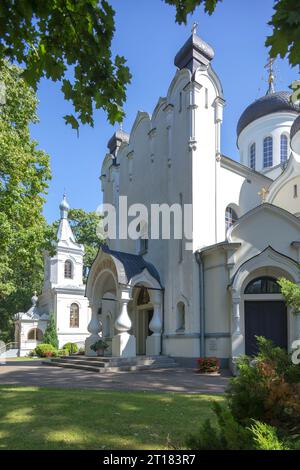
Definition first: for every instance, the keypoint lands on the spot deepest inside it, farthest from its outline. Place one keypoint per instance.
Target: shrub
(72, 348)
(208, 364)
(46, 350)
(265, 437)
(63, 352)
(99, 345)
(50, 335)
(267, 389)
(226, 434)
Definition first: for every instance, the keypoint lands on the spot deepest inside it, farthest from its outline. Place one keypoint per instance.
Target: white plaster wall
(62, 312)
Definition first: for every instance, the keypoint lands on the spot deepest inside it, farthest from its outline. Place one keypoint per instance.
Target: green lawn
(43, 418)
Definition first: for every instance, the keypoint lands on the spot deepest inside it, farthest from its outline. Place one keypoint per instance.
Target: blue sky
(147, 35)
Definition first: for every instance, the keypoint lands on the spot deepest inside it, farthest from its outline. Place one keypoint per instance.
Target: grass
(41, 418)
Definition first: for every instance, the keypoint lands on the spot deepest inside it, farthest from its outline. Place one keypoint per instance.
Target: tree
(284, 40)
(68, 41)
(291, 294)
(84, 225)
(24, 176)
(50, 335)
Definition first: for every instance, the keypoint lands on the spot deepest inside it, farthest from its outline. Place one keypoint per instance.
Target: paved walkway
(160, 380)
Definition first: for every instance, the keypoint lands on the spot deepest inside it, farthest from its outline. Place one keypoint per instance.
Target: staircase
(112, 364)
(9, 350)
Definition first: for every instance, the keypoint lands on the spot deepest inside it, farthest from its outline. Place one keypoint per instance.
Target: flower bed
(208, 365)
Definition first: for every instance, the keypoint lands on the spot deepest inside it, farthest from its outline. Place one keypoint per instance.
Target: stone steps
(112, 364)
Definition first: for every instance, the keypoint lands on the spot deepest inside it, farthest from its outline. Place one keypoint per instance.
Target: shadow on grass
(40, 418)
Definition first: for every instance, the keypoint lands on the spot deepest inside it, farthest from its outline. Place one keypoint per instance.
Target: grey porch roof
(133, 264)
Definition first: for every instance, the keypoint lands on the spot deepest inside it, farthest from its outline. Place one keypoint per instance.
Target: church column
(94, 327)
(153, 342)
(123, 344)
(236, 337)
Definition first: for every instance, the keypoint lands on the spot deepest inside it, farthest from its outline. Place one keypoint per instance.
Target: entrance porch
(126, 299)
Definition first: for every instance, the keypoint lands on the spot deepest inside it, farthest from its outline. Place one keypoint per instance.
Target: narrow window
(253, 156)
(230, 217)
(68, 269)
(268, 152)
(180, 101)
(180, 241)
(295, 190)
(283, 149)
(74, 316)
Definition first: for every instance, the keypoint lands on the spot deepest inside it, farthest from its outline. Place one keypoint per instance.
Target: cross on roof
(194, 28)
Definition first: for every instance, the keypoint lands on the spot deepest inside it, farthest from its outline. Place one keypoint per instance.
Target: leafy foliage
(263, 409)
(226, 434)
(267, 389)
(265, 437)
(45, 350)
(84, 226)
(72, 348)
(24, 176)
(50, 335)
(68, 41)
(186, 7)
(291, 293)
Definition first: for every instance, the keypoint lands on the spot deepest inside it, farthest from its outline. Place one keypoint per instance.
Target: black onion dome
(295, 127)
(269, 104)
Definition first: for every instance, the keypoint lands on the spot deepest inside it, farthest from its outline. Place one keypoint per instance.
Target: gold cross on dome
(263, 194)
(194, 28)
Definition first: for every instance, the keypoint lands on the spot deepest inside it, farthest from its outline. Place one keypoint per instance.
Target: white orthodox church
(154, 297)
(62, 295)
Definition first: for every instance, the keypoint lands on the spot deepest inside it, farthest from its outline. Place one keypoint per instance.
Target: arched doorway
(265, 313)
(143, 317)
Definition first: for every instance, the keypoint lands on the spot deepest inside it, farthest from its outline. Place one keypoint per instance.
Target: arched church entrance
(143, 317)
(265, 313)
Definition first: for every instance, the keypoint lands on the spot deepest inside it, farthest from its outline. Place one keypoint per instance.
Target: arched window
(35, 335)
(283, 148)
(230, 217)
(268, 152)
(252, 159)
(74, 316)
(68, 269)
(263, 285)
(180, 316)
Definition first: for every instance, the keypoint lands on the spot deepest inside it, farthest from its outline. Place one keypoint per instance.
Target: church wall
(237, 191)
(265, 229)
(289, 197)
(64, 331)
(217, 306)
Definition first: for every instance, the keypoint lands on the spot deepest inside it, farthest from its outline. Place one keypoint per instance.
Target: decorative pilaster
(94, 327)
(153, 342)
(236, 316)
(123, 344)
(237, 340)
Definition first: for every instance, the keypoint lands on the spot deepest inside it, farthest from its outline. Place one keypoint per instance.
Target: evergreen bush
(50, 335)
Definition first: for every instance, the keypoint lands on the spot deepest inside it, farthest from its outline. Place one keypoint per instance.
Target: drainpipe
(202, 303)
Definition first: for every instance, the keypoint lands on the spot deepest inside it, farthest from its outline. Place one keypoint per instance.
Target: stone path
(181, 380)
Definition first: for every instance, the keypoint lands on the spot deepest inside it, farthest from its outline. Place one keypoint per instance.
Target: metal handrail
(8, 346)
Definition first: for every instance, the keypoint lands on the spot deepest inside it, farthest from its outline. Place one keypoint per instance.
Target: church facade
(152, 295)
(63, 295)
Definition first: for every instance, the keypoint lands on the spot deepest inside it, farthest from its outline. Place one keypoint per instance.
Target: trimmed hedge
(46, 350)
(72, 348)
